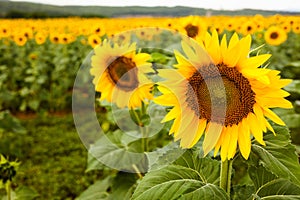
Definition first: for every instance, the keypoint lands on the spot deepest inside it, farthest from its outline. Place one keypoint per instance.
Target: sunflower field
(195, 107)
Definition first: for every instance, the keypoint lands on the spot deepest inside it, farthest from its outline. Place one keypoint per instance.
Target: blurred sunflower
(5, 31)
(94, 40)
(27, 32)
(119, 74)
(286, 26)
(296, 28)
(67, 38)
(193, 26)
(55, 38)
(248, 27)
(98, 30)
(40, 38)
(20, 40)
(239, 92)
(275, 35)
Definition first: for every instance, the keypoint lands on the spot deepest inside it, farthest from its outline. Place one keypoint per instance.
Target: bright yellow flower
(234, 105)
(119, 74)
(40, 38)
(94, 40)
(20, 40)
(275, 35)
(193, 26)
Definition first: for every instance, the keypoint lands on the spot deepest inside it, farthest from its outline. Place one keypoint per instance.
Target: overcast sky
(290, 5)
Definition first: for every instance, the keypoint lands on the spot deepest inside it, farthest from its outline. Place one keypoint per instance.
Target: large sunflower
(221, 92)
(120, 74)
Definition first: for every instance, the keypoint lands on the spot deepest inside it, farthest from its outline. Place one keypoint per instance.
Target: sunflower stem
(225, 176)
(8, 190)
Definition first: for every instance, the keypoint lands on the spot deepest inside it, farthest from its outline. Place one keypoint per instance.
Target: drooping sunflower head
(119, 74)
(223, 93)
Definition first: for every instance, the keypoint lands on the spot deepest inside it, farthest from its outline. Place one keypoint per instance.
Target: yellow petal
(272, 116)
(225, 144)
(244, 139)
(175, 125)
(232, 56)
(233, 141)
(255, 61)
(245, 44)
(213, 47)
(212, 134)
(182, 61)
(172, 114)
(190, 131)
(166, 100)
(200, 131)
(233, 41)
(255, 130)
(223, 46)
(260, 117)
(141, 58)
(189, 52)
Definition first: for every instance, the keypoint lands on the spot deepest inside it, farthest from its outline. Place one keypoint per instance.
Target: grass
(53, 159)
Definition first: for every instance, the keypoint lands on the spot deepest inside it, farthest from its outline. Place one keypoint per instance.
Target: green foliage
(52, 157)
(8, 123)
(39, 77)
(189, 177)
(118, 187)
(278, 156)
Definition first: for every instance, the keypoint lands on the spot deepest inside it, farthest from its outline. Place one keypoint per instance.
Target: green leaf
(208, 169)
(260, 176)
(93, 164)
(10, 123)
(292, 120)
(97, 191)
(242, 192)
(159, 58)
(25, 193)
(113, 152)
(123, 186)
(293, 87)
(279, 155)
(176, 182)
(278, 189)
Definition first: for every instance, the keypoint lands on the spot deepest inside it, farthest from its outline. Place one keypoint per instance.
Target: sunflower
(55, 38)
(296, 28)
(5, 31)
(222, 93)
(20, 40)
(275, 35)
(40, 38)
(119, 74)
(94, 40)
(193, 26)
(248, 27)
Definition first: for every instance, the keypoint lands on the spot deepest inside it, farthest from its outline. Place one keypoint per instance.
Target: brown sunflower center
(191, 30)
(274, 35)
(231, 90)
(123, 72)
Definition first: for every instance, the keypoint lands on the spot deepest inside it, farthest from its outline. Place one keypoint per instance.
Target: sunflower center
(274, 35)
(231, 89)
(191, 30)
(123, 72)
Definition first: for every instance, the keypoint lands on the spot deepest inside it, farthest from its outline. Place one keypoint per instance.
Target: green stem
(137, 171)
(8, 190)
(225, 178)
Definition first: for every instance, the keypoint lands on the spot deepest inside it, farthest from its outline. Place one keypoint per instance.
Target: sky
(286, 5)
